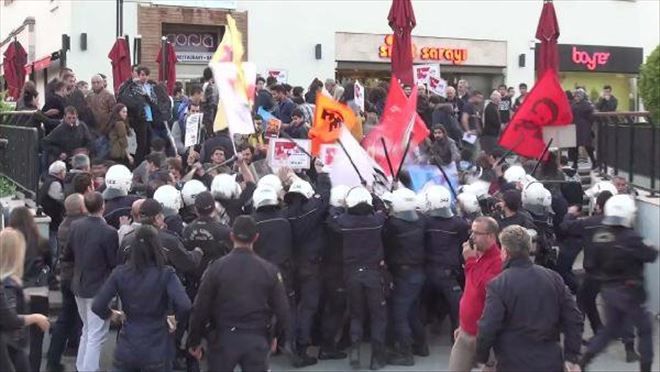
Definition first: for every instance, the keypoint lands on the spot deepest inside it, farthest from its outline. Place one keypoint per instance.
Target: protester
(504, 107)
(285, 105)
(522, 88)
(71, 136)
(527, 308)
(148, 290)
(607, 101)
(102, 103)
(238, 295)
(582, 116)
(14, 352)
(92, 249)
(492, 123)
(55, 102)
(51, 199)
(118, 130)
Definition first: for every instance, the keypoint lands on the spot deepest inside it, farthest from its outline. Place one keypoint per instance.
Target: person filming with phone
(482, 263)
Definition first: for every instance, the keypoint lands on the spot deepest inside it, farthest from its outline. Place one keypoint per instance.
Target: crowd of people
(211, 259)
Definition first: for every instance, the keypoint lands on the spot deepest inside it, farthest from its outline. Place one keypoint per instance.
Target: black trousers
(586, 299)
(445, 282)
(334, 307)
(239, 348)
(67, 328)
(573, 155)
(142, 138)
(308, 291)
(365, 291)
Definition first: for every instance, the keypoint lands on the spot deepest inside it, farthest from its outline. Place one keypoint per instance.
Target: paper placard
(437, 86)
(359, 95)
(193, 126)
(422, 73)
(563, 136)
(284, 153)
(328, 153)
(281, 75)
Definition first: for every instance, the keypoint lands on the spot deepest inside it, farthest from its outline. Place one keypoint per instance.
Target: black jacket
(521, 218)
(147, 297)
(492, 122)
(9, 322)
(404, 242)
(306, 218)
(118, 207)
(53, 208)
(584, 230)
(275, 241)
(92, 248)
(66, 268)
(210, 236)
(176, 255)
(236, 207)
(527, 308)
(65, 139)
(239, 292)
(361, 238)
(444, 240)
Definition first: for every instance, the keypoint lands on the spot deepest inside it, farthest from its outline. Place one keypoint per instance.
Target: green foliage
(7, 188)
(4, 106)
(649, 84)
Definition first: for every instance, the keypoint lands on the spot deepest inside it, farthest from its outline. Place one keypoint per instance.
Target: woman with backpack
(118, 129)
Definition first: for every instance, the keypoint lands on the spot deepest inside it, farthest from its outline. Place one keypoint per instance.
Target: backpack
(545, 241)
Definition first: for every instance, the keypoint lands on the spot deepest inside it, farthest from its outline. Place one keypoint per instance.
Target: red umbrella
(547, 32)
(170, 66)
(13, 66)
(402, 20)
(120, 57)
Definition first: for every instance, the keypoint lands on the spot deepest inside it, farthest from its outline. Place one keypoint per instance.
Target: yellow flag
(230, 49)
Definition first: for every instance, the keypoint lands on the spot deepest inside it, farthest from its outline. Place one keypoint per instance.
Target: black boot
(585, 360)
(631, 354)
(421, 348)
(330, 352)
(303, 359)
(354, 355)
(378, 356)
(644, 366)
(402, 356)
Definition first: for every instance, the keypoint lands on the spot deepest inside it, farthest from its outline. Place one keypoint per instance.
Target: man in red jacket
(482, 263)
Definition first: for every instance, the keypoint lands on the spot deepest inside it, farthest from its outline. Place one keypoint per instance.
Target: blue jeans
(408, 284)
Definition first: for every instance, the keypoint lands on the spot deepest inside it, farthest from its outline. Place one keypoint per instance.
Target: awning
(38, 65)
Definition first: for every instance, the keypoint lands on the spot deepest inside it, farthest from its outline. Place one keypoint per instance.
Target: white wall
(282, 34)
(648, 220)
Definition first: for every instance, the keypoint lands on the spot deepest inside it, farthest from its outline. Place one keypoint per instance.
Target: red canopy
(547, 33)
(13, 66)
(120, 57)
(402, 20)
(170, 66)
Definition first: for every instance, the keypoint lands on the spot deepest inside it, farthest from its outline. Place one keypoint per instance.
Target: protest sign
(328, 153)
(437, 86)
(193, 127)
(284, 153)
(359, 95)
(422, 175)
(422, 73)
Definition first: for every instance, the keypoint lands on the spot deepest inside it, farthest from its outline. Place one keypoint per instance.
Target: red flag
(546, 104)
(399, 123)
(402, 20)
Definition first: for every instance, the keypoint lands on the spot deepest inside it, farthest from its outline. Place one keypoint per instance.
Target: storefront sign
(193, 47)
(596, 58)
(444, 51)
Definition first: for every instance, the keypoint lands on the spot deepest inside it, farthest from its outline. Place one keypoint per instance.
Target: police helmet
(118, 177)
(302, 187)
(338, 195)
(169, 197)
(224, 186)
(536, 198)
(599, 187)
(404, 200)
(264, 195)
(190, 191)
(271, 181)
(468, 203)
(514, 173)
(620, 211)
(358, 195)
(438, 201)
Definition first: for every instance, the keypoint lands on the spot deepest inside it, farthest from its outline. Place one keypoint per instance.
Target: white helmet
(302, 187)
(438, 201)
(477, 188)
(620, 211)
(599, 187)
(468, 203)
(536, 198)
(224, 186)
(358, 195)
(514, 173)
(190, 191)
(271, 181)
(263, 196)
(404, 200)
(527, 180)
(338, 195)
(169, 197)
(118, 177)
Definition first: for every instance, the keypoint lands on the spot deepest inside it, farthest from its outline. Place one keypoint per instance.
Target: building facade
(487, 42)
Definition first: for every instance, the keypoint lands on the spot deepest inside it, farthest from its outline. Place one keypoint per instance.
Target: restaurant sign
(193, 47)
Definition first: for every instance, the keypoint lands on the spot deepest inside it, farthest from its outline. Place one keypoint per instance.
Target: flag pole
(540, 159)
(509, 152)
(444, 174)
(403, 158)
(387, 156)
(288, 138)
(362, 181)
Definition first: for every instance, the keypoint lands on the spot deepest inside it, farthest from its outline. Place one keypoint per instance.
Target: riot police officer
(189, 192)
(467, 205)
(118, 202)
(403, 235)
(170, 198)
(537, 201)
(360, 229)
(444, 235)
(233, 196)
(332, 281)
(306, 210)
(620, 256)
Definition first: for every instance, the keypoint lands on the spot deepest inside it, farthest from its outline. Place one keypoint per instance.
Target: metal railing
(19, 150)
(628, 142)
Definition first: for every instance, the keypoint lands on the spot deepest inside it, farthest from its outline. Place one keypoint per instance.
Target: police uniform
(443, 239)
(403, 236)
(210, 236)
(117, 206)
(236, 207)
(620, 256)
(238, 295)
(362, 256)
